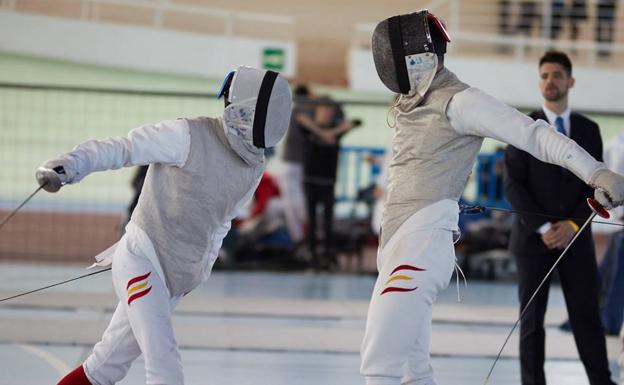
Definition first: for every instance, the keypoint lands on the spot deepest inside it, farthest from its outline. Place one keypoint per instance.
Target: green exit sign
(273, 59)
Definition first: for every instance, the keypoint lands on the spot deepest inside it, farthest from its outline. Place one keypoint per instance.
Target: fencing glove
(53, 174)
(609, 188)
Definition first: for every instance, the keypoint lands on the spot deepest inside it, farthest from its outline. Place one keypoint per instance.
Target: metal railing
(90, 10)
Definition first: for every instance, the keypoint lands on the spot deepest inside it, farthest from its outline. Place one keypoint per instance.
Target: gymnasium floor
(268, 328)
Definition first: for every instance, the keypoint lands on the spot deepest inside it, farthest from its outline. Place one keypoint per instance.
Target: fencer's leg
(328, 200)
(299, 200)
(418, 369)
(149, 307)
(311, 201)
(412, 271)
(291, 186)
(112, 356)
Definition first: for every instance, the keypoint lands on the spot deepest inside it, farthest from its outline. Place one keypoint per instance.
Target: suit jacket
(534, 186)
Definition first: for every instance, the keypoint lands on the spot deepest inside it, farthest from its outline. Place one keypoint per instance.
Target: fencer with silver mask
(440, 125)
(202, 170)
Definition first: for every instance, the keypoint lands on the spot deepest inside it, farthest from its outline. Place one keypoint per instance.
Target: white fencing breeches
(291, 188)
(141, 324)
(415, 264)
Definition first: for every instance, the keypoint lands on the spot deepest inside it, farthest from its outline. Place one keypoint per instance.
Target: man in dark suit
(536, 241)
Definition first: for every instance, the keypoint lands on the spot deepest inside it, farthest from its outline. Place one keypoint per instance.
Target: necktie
(560, 129)
(559, 125)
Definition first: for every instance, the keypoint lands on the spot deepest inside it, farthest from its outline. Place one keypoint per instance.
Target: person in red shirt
(267, 190)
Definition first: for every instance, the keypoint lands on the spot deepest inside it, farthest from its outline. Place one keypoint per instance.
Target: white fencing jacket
(436, 143)
(194, 186)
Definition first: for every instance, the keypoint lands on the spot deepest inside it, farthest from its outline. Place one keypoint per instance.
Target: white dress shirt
(551, 116)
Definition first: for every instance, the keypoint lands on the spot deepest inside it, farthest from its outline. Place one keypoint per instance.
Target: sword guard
(597, 208)
(471, 209)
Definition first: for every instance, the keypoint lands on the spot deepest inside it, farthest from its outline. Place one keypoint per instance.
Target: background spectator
(291, 177)
(137, 185)
(320, 166)
(529, 15)
(535, 186)
(557, 12)
(605, 24)
(578, 14)
(504, 17)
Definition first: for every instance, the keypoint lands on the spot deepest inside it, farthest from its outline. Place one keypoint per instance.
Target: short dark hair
(302, 90)
(553, 56)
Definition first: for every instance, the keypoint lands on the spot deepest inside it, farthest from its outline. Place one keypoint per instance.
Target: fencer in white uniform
(440, 126)
(202, 170)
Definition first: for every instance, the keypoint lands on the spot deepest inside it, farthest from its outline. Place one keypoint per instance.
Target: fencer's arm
(167, 142)
(473, 112)
(343, 127)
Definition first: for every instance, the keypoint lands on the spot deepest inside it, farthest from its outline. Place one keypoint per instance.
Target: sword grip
(597, 208)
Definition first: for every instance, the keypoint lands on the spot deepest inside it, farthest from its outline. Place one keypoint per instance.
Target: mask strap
(225, 86)
(262, 106)
(398, 53)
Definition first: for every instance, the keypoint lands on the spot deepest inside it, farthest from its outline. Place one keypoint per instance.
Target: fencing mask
(258, 104)
(406, 49)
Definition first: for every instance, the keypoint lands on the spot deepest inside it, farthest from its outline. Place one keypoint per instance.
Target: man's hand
(379, 192)
(559, 234)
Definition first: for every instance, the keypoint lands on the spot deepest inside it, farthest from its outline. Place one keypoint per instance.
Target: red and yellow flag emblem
(138, 287)
(396, 277)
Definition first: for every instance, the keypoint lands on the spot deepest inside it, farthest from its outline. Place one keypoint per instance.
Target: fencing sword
(595, 206)
(477, 209)
(597, 209)
(6, 219)
(55, 284)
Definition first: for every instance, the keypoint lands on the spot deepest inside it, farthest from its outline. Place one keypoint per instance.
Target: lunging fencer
(201, 171)
(440, 125)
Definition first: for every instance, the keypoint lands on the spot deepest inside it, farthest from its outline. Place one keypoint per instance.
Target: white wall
(514, 83)
(134, 47)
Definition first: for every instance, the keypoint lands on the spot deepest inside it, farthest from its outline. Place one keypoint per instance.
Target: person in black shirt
(321, 147)
(291, 176)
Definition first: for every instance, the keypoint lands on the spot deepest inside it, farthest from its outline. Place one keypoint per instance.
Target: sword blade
(6, 219)
(587, 222)
(55, 284)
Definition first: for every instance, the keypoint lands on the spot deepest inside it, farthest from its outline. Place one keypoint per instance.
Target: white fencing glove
(53, 174)
(609, 188)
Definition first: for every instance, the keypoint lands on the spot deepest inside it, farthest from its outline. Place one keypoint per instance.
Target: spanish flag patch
(396, 277)
(138, 287)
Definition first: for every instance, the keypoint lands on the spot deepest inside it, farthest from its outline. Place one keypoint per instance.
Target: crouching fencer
(202, 170)
(440, 125)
